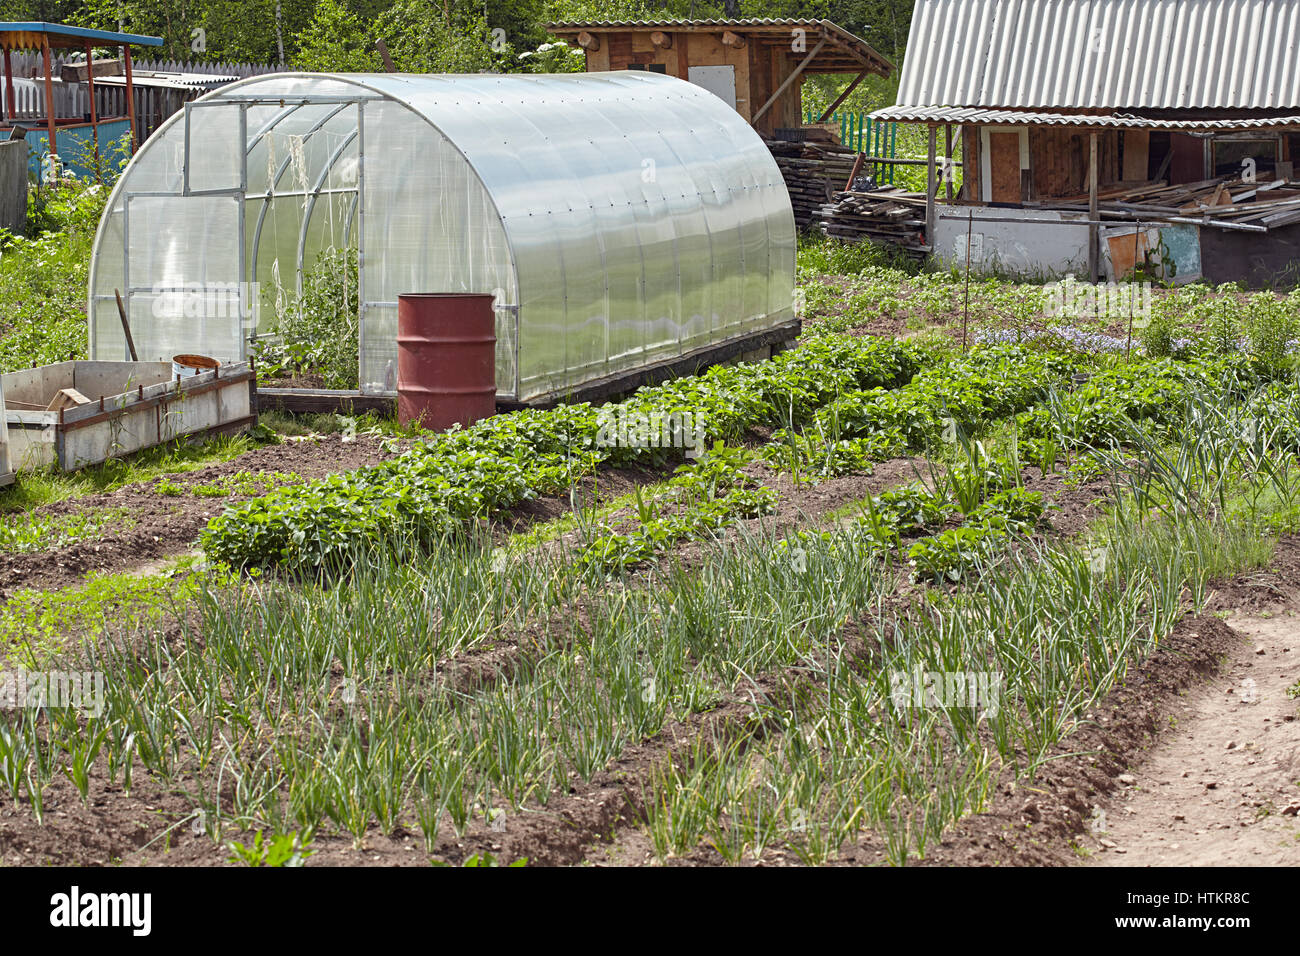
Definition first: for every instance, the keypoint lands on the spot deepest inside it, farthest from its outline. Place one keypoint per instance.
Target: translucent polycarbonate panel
(631, 118)
(659, 332)
(183, 257)
(216, 146)
(378, 356)
(429, 227)
(630, 217)
(327, 226)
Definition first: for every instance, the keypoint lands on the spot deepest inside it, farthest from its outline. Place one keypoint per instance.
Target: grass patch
(38, 625)
(36, 488)
(47, 532)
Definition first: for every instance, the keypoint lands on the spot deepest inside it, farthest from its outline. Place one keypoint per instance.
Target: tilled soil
(1154, 781)
(160, 526)
(1222, 787)
(1047, 823)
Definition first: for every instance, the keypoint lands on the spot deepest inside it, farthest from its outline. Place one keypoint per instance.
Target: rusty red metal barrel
(446, 358)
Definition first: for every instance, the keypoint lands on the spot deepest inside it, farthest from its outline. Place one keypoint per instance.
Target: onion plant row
(1057, 625)
(312, 709)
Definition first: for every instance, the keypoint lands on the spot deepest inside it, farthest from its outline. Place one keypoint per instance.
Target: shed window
(1231, 155)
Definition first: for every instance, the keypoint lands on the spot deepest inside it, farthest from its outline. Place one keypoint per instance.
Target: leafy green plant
(952, 553)
(48, 532)
(316, 331)
(282, 850)
(454, 477)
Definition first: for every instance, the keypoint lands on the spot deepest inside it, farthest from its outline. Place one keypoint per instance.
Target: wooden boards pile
(813, 173)
(883, 215)
(1228, 203)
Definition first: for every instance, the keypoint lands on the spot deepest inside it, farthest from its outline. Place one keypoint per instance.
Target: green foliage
(454, 477)
(701, 499)
(36, 621)
(48, 532)
(554, 56)
(1015, 510)
(1148, 396)
(317, 331)
(950, 398)
(336, 41)
(43, 279)
(283, 849)
(912, 508)
(1272, 326)
(952, 553)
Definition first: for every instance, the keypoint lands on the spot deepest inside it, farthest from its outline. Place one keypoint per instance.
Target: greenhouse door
(184, 268)
(184, 254)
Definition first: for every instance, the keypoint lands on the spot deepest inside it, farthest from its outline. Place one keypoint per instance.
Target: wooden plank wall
(760, 68)
(1058, 161)
(970, 171)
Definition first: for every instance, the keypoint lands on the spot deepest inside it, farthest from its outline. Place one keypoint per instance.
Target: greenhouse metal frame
(622, 220)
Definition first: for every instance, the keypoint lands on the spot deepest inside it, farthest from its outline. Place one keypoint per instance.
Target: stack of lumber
(882, 215)
(1225, 202)
(814, 172)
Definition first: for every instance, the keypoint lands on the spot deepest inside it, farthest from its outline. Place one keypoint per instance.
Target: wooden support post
(94, 110)
(9, 87)
(1094, 233)
(930, 189)
(830, 110)
(49, 96)
(853, 174)
(798, 71)
(947, 166)
(384, 55)
(130, 98)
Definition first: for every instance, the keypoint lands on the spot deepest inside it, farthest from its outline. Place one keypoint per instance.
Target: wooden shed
(1101, 133)
(757, 66)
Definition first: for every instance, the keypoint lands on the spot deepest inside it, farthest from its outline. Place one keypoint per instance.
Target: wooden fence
(153, 104)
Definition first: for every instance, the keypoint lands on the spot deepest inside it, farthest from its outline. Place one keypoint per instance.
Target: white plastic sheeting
(619, 218)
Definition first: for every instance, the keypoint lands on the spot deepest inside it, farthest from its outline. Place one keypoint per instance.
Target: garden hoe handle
(126, 326)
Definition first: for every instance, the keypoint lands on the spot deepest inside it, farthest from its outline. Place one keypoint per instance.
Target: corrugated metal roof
(983, 117)
(158, 78)
(1107, 54)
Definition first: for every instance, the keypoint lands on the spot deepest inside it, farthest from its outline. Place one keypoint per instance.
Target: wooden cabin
(756, 66)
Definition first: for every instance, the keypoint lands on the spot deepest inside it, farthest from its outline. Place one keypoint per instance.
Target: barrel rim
(445, 295)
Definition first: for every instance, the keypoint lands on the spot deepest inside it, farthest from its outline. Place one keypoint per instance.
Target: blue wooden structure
(73, 139)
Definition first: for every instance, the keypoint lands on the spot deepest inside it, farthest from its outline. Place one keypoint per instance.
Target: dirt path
(1222, 786)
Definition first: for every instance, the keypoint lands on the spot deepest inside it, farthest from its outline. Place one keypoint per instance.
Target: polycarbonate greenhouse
(620, 219)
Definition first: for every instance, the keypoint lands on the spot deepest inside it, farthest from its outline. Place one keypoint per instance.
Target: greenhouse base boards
(749, 348)
(132, 406)
(311, 401)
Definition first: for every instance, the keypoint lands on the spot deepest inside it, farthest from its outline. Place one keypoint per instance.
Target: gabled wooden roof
(842, 53)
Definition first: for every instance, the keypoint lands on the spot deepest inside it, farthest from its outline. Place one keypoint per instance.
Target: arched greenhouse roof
(621, 219)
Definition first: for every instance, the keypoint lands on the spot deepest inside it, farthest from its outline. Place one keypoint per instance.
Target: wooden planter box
(110, 409)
